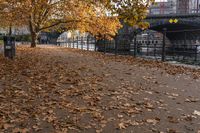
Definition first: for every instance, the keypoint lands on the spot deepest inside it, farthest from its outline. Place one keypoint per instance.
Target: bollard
(9, 47)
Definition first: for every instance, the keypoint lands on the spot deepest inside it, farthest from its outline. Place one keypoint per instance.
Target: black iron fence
(84, 43)
(182, 53)
(187, 52)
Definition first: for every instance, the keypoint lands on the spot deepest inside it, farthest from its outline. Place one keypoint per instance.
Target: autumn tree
(41, 15)
(8, 16)
(132, 12)
(84, 15)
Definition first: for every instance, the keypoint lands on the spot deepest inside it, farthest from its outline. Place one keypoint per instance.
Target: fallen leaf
(99, 131)
(191, 100)
(19, 130)
(122, 125)
(152, 121)
(171, 131)
(6, 126)
(196, 113)
(36, 128)
(188, 118)
(120, 116)
(173, 119)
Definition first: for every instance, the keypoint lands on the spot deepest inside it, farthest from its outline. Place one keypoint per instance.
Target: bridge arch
(158, 25)
(183, 29)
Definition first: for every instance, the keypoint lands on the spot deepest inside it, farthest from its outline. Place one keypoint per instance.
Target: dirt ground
(60, 90)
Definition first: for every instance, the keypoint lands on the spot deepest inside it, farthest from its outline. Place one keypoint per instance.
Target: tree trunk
(33, 39)
(10, 30)
(34, 35)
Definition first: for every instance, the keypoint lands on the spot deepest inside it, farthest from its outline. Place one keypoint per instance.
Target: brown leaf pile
(55, 90)
(169, 68)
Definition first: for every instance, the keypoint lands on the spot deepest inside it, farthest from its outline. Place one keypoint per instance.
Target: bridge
(178, 26)
(184, 21)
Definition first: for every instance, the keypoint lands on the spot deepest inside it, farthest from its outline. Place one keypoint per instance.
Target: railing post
(185, 38)
(129, 47)
(88, 43)
(163, 46)
(116, 46)
(82, 43)
(154, 51)
(196, 52)
(135, 46)
(148, 43)
(70, 41)
(104, 41)
(58, 43)
(173, 50)
(73, 42)
(95, 44)
(77, 42)
(124, 43)
(185, 47)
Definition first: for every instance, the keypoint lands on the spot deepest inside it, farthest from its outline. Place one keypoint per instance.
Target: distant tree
(133, 12)
(9, 17)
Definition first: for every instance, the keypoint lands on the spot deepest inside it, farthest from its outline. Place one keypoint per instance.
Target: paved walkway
(64, 90)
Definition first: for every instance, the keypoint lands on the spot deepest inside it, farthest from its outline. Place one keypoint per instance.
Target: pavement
(53, 89)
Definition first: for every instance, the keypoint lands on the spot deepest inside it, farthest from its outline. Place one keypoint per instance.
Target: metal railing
(186, 52)
(83, 43)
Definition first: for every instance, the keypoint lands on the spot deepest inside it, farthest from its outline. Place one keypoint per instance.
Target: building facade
(163, 7)
(183, 6)
(175, 6)
(194, 6)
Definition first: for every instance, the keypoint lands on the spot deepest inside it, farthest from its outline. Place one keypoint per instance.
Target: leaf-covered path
(50, 90)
